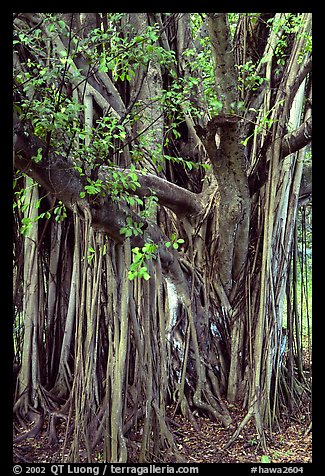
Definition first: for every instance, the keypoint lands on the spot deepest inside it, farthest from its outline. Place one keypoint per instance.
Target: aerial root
(26, 414)
(252, 412)
(33, 432)
(243, 423)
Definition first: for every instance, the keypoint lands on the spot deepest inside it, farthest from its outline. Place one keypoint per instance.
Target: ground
(290, 444)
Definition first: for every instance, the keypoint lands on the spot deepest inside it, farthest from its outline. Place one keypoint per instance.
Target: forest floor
(292, 443)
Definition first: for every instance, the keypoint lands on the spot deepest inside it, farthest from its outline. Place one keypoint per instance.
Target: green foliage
(138, 268)
(150, 206)
(94, 187)
(38, 157)
(91, 254)
(247, 77)
(174, 242)
(187, 164)
(104, 136)
(288, 25)
(131, 228)
(264, 124)
(307, 48)
(60, 212)
(126, 53)
(120, 185)
(57, 118)
(265, 459)
(22, 205)
(47, 116)
(192, 85)
(26, 225)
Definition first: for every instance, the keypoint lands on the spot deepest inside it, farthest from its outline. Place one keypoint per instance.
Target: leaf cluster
(138, 268)
(174, 242)
(59, 211)
(248, 79)
(131, 228)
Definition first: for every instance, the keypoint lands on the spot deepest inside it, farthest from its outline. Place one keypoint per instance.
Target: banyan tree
(161, 161)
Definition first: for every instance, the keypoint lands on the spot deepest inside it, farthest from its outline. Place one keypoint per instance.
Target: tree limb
(225, 73)
(297, 139)
(58, 176)
(291, 142)
(181, 201)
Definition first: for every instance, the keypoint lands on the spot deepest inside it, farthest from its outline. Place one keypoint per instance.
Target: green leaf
(265, 459)
(61, 23)
(51, 27)
(168, 244)
(37, 158)
(78, 169)
(126, 231)
(132, 186)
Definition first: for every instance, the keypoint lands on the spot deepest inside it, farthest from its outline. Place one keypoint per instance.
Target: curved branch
(58, 176)
(291, 143)
(297, 139)
(181, 201)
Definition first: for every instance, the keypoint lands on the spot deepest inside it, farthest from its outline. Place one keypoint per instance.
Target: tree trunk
(29, 375)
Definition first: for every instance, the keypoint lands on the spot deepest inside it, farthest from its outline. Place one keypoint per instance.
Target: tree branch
(297, 139)
(58, 176)
(225, 73)
(181, 201)
(291, 142)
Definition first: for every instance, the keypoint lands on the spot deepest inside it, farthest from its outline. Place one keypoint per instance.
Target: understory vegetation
(162, 227)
